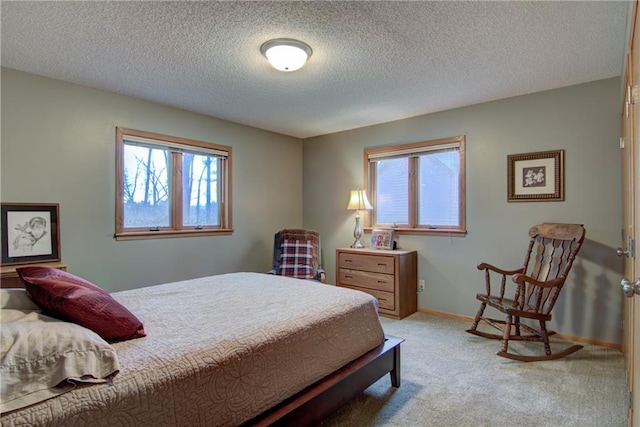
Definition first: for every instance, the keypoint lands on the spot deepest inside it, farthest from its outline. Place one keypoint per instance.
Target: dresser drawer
(373, 263)
(385, 299)
(364, 279)
(389, 276)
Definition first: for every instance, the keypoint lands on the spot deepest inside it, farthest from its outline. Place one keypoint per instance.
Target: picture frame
(536, 177)
(30, 232)
(382, 238)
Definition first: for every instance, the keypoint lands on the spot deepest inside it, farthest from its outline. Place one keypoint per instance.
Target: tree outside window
(171, 186)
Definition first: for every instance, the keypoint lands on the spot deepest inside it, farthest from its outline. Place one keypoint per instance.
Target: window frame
(411, 152)
(176, 229)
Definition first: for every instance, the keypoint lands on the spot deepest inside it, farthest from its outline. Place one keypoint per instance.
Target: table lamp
(357, 202)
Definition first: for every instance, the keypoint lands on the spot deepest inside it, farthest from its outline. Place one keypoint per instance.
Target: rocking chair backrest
(552, 250)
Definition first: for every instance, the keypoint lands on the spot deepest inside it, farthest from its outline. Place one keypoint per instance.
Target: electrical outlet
(421, 285)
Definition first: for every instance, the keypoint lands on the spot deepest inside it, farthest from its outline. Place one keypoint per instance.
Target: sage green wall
(583, 120)
(58, 145)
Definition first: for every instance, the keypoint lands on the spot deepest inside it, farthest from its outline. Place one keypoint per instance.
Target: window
(418, 188)
(171, 187)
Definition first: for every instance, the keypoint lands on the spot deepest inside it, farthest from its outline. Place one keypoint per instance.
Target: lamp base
(357, 233)
(357, 244)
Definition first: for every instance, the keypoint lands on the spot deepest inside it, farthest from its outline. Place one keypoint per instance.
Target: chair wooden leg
(476, 320)
(492, 322)
(545, 338)
(479, 314)
(505, 336)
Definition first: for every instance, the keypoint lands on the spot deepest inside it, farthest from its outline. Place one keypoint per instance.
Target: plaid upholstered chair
(296, 253)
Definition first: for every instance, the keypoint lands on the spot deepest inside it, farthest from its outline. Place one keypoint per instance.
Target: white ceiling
(372, 62)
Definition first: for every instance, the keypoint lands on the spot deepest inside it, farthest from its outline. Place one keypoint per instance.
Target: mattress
(219, 350)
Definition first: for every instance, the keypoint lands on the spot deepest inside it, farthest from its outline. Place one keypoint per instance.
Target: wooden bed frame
(324, 397)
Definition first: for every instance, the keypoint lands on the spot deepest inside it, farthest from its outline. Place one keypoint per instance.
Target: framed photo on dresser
(382, 238)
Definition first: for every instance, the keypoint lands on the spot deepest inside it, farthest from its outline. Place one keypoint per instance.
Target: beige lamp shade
(358, 201)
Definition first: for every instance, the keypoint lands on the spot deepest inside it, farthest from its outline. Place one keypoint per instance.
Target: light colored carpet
(452, 378)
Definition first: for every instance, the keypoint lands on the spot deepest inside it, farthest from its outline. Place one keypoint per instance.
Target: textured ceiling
(372, 62)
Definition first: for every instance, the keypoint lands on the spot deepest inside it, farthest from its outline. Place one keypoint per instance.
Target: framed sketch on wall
(382, 238)
(535, 177)
(30, 233)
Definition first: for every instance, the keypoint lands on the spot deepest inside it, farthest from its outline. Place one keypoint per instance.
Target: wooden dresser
(9, 278)
(390, 276)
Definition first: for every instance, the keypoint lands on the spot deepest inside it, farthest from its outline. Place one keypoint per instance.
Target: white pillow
(42, 357)
(16, 299)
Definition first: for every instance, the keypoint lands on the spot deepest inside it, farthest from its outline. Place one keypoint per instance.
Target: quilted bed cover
(219, 350)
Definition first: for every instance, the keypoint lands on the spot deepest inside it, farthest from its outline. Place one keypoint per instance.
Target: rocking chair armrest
(486, 266)
(521, 279)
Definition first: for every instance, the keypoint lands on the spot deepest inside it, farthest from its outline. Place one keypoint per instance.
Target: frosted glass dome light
(286, 54)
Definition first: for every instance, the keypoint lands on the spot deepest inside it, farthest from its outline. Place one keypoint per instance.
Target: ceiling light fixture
(286, 54)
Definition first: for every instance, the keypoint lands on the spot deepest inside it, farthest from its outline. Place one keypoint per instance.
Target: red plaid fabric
(296, 259)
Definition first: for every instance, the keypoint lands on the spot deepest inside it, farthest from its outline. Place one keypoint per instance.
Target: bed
(232, 349)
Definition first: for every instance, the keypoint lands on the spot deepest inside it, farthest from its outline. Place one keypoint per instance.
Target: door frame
(630, 236)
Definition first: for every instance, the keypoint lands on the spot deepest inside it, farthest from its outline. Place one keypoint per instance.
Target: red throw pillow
(71, 298)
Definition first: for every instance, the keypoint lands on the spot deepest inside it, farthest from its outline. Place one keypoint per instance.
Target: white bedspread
(219, 350)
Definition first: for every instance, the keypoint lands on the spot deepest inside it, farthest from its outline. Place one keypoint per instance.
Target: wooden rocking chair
(551, 252)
